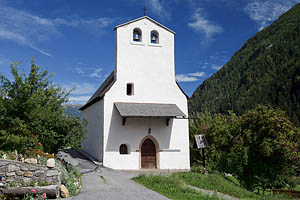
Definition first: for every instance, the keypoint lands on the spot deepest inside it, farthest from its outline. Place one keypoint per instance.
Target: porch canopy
(148, 110)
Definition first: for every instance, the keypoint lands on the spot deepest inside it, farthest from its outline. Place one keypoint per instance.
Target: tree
(218, 132)
(266, 148)
(260, 148)
(200, 124)
(31, 111)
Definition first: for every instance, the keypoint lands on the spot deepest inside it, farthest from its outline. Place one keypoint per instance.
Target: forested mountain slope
(266, 70)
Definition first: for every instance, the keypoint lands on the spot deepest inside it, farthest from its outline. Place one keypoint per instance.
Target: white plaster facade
(150, 67)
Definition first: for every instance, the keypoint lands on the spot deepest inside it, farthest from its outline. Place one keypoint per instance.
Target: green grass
(104, 180)
(171, 187)
(216, 182)
(175, 186)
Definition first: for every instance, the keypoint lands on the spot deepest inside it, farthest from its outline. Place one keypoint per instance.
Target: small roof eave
(148, 110)
(145, 17)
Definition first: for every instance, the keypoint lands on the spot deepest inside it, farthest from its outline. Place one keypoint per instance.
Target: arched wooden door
(148, 154)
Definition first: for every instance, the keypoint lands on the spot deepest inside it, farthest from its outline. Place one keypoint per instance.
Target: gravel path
(106, 184)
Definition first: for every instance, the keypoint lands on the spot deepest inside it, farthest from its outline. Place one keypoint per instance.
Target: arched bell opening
(137, 35)
(154, 37)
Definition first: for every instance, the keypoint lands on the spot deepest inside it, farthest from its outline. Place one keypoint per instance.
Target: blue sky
(75, 39)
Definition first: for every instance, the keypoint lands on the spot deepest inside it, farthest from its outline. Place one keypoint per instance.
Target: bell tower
(144, 51)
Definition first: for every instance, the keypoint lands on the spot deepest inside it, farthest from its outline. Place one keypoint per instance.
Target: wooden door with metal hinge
(148, 154)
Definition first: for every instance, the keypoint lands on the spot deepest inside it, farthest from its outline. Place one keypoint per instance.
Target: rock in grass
(64, 192)
(51, 163)
(52, 173)
(12, 168)
(31, 160)
(28, 174)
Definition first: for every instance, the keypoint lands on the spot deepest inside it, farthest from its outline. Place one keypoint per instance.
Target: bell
(154, 38)
(136, 37)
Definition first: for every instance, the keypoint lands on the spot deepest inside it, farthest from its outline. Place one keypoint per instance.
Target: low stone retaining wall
(17, 174)
(293, 193)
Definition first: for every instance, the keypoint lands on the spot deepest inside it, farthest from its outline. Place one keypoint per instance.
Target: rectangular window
(129, 90)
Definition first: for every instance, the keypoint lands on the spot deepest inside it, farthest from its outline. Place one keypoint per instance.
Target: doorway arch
(149, 153)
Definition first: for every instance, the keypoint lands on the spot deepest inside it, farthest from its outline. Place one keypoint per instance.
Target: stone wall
(20, 174)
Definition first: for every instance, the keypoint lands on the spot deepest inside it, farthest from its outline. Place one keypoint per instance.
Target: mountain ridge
(265, 70)
(72, 109)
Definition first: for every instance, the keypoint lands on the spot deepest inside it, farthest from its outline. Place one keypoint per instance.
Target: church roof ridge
(145, 17)
(105, 86)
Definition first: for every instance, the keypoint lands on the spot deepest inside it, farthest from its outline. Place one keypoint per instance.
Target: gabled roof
(145, 17)
(106, 85)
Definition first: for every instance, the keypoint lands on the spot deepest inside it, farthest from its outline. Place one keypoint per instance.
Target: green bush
(71, 178)
(260, 148)
(197, 168)
(31, 111)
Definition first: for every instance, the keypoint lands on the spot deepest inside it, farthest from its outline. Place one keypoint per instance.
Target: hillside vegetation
(266, 70)
(176, 186)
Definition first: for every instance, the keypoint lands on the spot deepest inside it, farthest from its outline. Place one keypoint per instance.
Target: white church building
(137, 117)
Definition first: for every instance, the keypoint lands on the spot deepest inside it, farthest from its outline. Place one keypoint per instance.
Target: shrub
(71, 178)
(31, 111)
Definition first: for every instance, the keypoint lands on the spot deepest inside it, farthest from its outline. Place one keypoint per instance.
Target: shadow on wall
(135, 130)
(93, 143)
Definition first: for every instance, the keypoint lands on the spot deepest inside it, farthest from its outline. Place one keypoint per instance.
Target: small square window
(129, 89)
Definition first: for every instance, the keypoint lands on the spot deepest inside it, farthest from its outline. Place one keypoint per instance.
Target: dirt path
(210, 193)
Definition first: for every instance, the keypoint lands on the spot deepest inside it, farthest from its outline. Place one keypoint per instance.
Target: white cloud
(23, 28)
(79, 70)
(80, 88)
(158, 8)
(216, 67)
(198, 74)
(265, 12)
(19, 39)
(89, 71)
(96, 73)
(78, 99)
(94, 23)
(27, 29)
(185, 78)
(202, 25)
(189, 77)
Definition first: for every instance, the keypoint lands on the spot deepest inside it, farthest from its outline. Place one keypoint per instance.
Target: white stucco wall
(151, 69)
(93, 144)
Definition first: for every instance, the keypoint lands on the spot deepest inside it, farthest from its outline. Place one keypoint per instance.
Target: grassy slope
(215, 182)
(174, 186)
(171, 187)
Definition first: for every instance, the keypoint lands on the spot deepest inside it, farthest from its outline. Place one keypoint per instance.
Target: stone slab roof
(155, 110)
